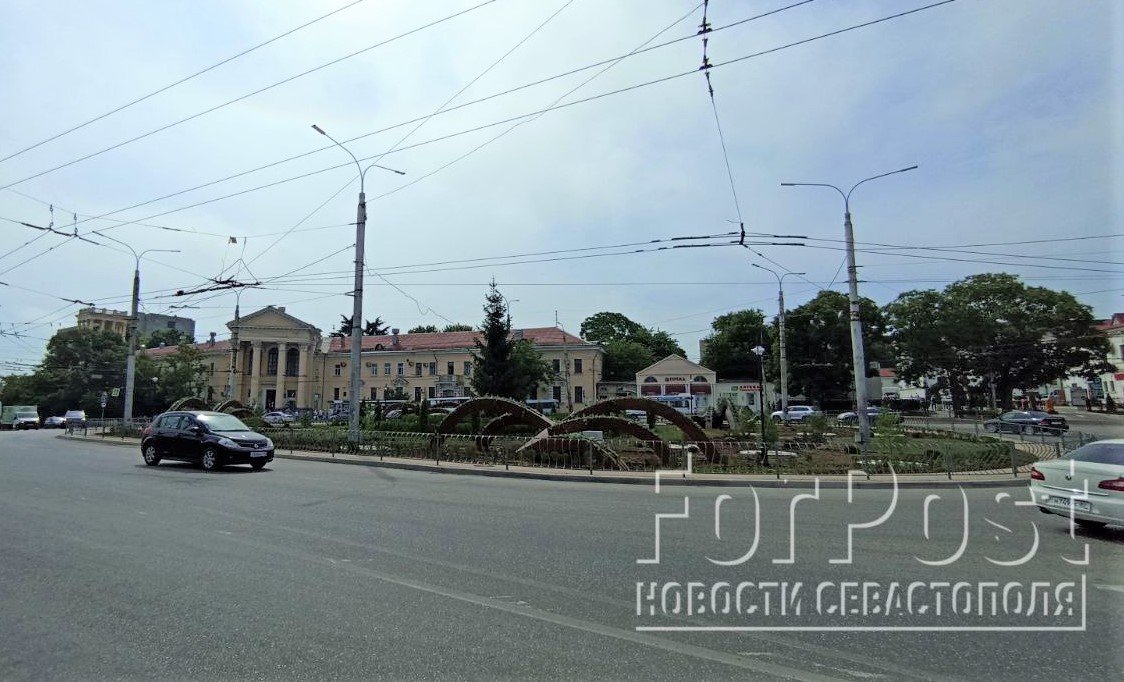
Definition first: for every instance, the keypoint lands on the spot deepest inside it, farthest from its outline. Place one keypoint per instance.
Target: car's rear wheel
(1091, 525)
(993, 428)
(257, 466)
(150, 456)
(210, 459)
(1029, 430)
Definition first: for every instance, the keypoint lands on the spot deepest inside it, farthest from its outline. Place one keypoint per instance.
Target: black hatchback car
(1028, 422)
(211, 439)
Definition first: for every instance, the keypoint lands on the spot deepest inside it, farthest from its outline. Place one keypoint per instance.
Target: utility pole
(566, 365)
(858, 356)
(131, 328)
(131, 358)
(759, 351)
(355, 375)
(233, 348)
(780, 321)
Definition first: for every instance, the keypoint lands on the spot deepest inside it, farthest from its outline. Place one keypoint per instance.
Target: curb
(670, 478)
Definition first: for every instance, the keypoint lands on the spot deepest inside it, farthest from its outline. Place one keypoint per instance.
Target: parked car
(26, 420)
(1027, 421)
(872, 413)
(54, 423)
(211, 439)
(75, 419)
(796, 413)
(278, 418)
(1088, 484)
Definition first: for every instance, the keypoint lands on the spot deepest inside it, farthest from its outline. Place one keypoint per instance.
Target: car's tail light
(1116, 484)
(1037, 475)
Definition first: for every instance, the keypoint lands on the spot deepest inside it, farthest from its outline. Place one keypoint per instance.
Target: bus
(450, 402)
(682, 403)
(542, 406)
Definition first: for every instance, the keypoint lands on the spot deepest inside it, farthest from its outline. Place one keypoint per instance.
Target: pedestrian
(1088, 403)
(1109, 404)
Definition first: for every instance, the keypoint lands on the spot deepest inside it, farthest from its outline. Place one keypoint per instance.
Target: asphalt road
(110, 569)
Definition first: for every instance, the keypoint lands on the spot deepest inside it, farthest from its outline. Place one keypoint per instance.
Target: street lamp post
(357, 307)
(858, 357)
(759, 351)
(131, 332)
(780, 322)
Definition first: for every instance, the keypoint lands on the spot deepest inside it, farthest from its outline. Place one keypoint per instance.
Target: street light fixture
(780, 320)
(759, 351)
(357, 308)
(858, 358)
(131, 359)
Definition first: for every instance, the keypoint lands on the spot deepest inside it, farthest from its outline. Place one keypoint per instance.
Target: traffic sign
(104, 399)
(116, 392)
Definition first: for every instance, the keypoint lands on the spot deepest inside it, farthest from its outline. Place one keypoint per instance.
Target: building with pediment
(274, 360)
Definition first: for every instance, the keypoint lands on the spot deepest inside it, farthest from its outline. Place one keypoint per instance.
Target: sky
(1011, 109)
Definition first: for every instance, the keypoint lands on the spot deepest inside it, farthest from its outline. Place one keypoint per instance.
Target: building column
(302, 375)
(255, 373)
(279, 402)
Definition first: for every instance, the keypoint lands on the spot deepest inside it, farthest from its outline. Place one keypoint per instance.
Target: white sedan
(1087, 484)
(796, 413)
(278, 418)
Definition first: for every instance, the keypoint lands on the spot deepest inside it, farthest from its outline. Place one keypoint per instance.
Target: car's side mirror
(196, 429)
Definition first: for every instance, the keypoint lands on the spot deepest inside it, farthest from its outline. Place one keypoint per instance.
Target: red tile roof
(207, 346)
(1115, 322)
(542, 336)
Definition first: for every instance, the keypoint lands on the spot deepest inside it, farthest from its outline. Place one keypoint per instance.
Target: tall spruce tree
(503, 366)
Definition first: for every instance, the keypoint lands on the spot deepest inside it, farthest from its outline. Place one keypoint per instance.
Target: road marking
(1111, 588)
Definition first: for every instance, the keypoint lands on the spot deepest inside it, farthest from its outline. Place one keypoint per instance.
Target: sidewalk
(666, 477)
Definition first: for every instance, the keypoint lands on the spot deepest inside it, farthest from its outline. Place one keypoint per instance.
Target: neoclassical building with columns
(274, 360)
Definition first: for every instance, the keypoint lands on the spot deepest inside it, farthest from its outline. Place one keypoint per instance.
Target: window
(468, 368)
(417, 370)
(336, 391)
(271, 362)
(338, 370)
(432, 391)
(556, 393)
(450, 368)
(386, 369)
(212, 369)
(557, 365)
(401, 368)
(651, 380)
(577, 366)
(171, 324)
(374, 369)
(374, 393)
(292, 362)
(433, 369)
(417, 391)
(699, 379)
(579, 394)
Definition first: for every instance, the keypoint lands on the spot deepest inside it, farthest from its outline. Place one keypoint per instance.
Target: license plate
(1078, 505)
(258, 453)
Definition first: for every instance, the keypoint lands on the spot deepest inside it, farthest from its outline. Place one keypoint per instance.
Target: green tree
(423, 329)
(995, 327)
(457, 327)
(374, 327)
(164, 338)
(504, 366)
(162, 381)
(818, 344)
(77, 366)
(622, 340)
(623, 359)
(728, 350)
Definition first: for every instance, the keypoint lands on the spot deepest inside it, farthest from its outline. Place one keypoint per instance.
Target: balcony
(449, 381)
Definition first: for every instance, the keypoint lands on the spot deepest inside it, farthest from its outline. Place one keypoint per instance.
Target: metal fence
(916, 447)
